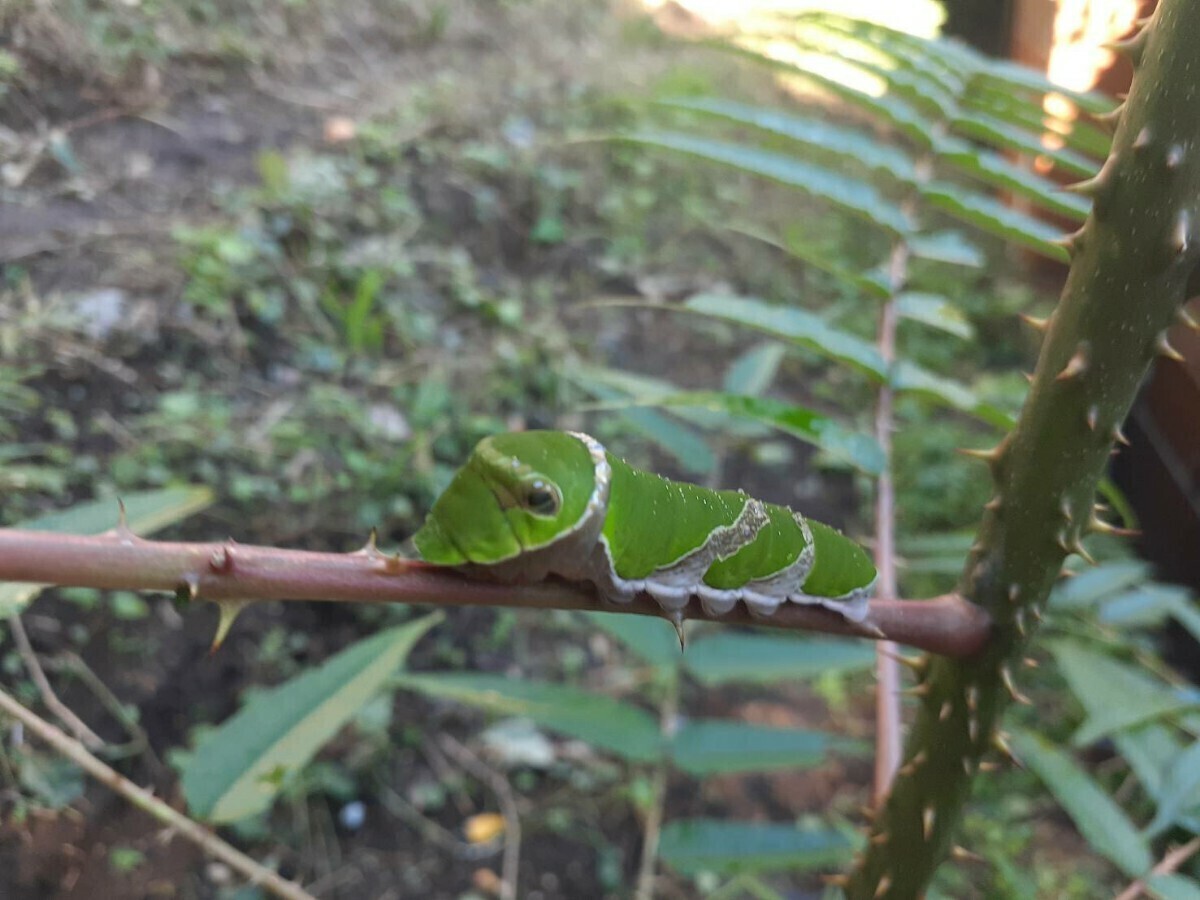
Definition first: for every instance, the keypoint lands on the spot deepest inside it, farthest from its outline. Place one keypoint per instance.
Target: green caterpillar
(537, 503)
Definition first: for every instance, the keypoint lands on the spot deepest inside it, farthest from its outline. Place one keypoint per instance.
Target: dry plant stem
(230, 572)
(499, 785)
(144, 800)
(1168, 864)
(652, 829)
(74, 724)
(888, 738)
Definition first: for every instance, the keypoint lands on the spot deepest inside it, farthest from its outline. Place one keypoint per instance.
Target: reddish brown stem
(888, 737)
(230, 571)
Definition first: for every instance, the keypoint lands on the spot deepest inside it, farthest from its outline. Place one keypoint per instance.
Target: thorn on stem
(1038, 325)
(675, 617)
(1011, 687)
(1075, 366)
(221, 560)
(229, 610)
(1163, 346)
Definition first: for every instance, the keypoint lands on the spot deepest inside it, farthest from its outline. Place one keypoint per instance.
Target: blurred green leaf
(1116, 695)
(1098, 818)
(995, 218)
(753, 370)
(146, 512)
(910, 378)
(859, 450)
(994, 169)
(1007, 75)
(949, 247)
(935, 311)
(815, 134)
(709, 746)
(690, 450)
(1028, 112)
(856, 197)
(795, 325)
(896, 112)
(239, 767)
(654, 640)
(1179, 790)
(1092, 585)
(1173, 887)
(827, 259)
(691, 846)
(981, 127)
(734, 657)
(626, 731)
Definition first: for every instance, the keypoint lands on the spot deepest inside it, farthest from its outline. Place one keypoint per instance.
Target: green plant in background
(955, 115)
(331, 259)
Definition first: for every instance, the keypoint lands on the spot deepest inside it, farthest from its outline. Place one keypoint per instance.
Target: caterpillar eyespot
(541, 499)
(587, 515)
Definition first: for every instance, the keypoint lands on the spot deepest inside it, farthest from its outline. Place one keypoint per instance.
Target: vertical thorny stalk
(1130, 265)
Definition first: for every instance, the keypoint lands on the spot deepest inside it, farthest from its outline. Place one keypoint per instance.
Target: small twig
(651, 830)
(889, 744)
(139, 741)
(1166, 865)
(147, 802)
(228, 571)
(74, 724)
(508, 808)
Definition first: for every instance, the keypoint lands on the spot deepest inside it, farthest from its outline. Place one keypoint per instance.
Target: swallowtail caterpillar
(537, 503)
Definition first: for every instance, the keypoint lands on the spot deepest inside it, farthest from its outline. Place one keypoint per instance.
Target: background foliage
(321, 335)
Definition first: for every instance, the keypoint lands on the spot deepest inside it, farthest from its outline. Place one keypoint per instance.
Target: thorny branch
(232, 575)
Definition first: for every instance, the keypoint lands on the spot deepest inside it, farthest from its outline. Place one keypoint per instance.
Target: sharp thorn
(988, 456)
(1093, 417)
(1119, 436)
(1000, 743)
(676, 618)
(1010, 685)
(1112, 118)
(928, 820)
(1181, 233)
(885, 885)
(1186, 318)
(1075, 366)
(1077, 547)
(965, 855)
(879, 839)
(836, 880)
(945, 711)
(1099, 526)
(1164, 348)
(229, 610)
(371, 548)
(1038, 325)
(221, 560)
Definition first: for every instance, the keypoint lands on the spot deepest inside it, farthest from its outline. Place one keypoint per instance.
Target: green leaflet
(541, 503)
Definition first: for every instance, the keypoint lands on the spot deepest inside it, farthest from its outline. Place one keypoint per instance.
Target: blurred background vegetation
(306, 254)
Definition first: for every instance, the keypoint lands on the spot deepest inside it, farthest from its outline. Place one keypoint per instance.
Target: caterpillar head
(518, 493)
